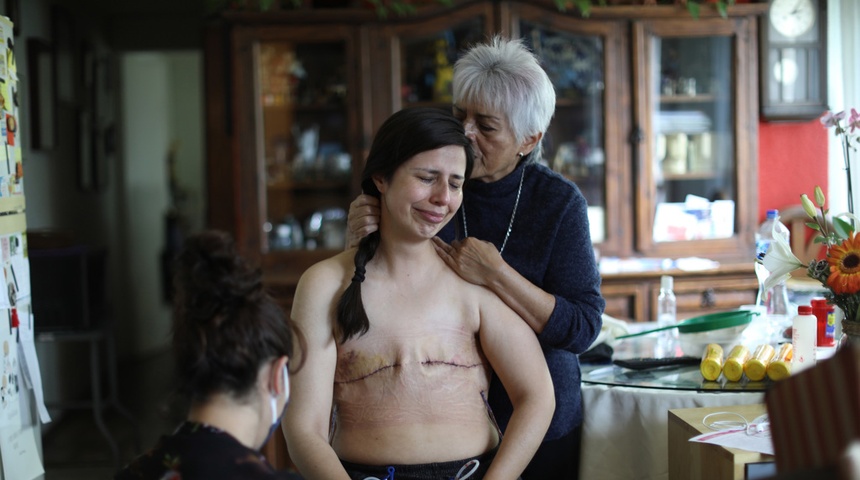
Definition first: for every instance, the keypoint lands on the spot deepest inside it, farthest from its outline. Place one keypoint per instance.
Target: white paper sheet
(10, 383)
(739, 438)
(20, 455)
(30, 365)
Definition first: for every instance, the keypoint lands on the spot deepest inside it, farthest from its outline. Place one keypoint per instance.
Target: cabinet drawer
(625, 301)
(707, 295)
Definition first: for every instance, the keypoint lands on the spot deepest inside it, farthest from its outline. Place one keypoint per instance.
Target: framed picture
(13, 11)
(65, 56)
(43, 111)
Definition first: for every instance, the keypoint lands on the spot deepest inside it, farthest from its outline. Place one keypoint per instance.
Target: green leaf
(584, 7)
(843, 228)
(813, 226)
(266, 4)
(402, 9)
(693, 8)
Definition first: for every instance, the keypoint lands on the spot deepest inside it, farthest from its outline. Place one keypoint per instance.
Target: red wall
(792, 160)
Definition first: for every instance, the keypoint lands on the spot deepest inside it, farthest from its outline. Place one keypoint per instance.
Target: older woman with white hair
(522, 232)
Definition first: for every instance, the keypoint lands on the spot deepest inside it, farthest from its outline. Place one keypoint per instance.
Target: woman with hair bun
(399, 347)
(232, 346)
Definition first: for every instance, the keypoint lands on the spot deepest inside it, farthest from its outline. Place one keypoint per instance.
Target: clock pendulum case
(793, 60)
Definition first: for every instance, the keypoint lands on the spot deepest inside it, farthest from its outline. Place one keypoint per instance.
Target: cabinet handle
(636, 135)
(708, 298)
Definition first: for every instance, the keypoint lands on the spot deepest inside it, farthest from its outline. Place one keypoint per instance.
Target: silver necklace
(513, 214)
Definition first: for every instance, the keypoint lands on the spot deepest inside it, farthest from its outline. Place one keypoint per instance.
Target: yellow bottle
(712, 362)
(756, 367)
(734, 366)
(780, 366)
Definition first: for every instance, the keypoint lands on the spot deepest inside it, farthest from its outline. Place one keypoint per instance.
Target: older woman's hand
(474, 260)
(363, 219)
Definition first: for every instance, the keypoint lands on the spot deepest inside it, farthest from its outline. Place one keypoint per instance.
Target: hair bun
(211, 278)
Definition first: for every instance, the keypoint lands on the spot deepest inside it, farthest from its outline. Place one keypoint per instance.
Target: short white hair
(506, 76)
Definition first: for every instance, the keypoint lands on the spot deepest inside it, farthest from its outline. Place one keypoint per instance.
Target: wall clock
(793, 60)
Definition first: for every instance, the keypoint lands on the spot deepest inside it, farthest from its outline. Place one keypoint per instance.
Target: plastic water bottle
(666, 305)
(666, 315)
(776, 300)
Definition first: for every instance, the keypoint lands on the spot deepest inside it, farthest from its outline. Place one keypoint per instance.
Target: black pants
(556, 459)
(427, 471)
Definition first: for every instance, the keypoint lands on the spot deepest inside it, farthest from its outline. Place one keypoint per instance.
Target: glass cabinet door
(692, 181)
(299, 132)
(423, 55)
(585, 65)
(693, 138)
(303, 138)
(428, 62)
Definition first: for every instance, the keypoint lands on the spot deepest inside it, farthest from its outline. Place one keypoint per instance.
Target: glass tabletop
(685, 377)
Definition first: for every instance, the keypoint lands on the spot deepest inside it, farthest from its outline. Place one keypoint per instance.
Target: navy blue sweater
(550, 245)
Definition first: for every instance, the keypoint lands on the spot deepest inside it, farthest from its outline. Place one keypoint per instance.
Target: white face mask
(273, 401)
(286, 385)
(276, 419)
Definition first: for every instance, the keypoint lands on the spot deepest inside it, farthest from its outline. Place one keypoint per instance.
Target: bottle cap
(666, 282)
(818, 303)
(772, 213)
(804, 310)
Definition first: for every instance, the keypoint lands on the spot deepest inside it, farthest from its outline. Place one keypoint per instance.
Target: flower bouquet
(839, 270)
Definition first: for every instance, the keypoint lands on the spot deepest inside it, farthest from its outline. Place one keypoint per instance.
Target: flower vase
(851, 330)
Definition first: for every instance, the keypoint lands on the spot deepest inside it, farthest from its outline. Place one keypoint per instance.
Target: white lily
(779, 260)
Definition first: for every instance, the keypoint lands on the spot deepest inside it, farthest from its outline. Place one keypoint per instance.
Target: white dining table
(625, 430)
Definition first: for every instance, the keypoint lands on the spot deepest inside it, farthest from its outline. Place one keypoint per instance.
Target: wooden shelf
(675, 177)
(321, 185)
(674, 99)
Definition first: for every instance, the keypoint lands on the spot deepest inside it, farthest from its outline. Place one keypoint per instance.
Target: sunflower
(844, 260)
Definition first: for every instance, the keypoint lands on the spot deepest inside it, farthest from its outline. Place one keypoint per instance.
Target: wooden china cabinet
(656, 122)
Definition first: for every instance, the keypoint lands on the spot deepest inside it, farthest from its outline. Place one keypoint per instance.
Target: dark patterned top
(197, 451)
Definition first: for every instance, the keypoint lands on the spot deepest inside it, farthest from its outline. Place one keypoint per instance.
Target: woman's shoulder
(332, 268)
(323, 283)
(469, 293)
(555, 180)
(550, 189)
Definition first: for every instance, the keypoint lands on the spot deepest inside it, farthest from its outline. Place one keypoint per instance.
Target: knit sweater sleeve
(573, 278)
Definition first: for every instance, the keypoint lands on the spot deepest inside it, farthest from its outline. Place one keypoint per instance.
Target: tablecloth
(625, 431)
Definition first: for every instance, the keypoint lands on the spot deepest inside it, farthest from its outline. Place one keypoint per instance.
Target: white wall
(161, 104)
(187, 118)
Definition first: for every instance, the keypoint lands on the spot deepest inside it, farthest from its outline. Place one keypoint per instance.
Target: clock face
(792, 18)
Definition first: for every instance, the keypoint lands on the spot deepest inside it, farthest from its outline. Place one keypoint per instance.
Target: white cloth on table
(625, 430)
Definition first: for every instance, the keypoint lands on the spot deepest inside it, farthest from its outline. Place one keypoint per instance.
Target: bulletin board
(22, 407)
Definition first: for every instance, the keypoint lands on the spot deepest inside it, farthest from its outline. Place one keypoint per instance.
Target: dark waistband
(424, 471)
